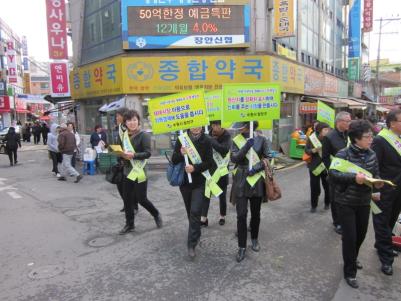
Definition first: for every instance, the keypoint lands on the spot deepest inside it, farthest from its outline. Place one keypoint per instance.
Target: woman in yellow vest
(350, 172)
(317, 170)
(248, 185)
(198, 148)
(137, 149)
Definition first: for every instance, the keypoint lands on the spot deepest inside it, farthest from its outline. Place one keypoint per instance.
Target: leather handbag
(273, 191)
(115, 174)
(175, 172)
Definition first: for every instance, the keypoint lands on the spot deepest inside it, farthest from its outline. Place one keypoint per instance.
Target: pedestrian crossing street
(10, 190)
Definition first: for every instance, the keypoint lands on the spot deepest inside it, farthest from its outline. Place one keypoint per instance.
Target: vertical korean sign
(368, 16)
(57, 29)
(354, 44)
(284, 18)
(11, 63)
(59, 79)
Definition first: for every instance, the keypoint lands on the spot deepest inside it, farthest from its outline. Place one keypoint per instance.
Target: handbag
(175, 172)
(307, 158)
(115, 174)
(273, 191)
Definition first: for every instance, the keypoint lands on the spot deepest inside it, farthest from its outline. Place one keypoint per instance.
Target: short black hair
(320, 126)
(131, 114)
(97, 127)
(121, 111)
(218, 122)
(392, 116)
(357, 128)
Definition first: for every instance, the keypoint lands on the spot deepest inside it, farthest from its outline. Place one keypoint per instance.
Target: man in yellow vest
(387, 145)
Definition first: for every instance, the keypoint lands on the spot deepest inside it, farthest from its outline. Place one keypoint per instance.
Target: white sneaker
(58, 175)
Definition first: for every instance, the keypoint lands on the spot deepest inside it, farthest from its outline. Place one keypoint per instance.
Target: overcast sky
(28, 17)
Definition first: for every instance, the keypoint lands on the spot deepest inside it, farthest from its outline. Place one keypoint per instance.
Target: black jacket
(204, 148)
(331, 144)
(316, 159)
(389, 160)
(241, 187)
(142, 146)
(222, 145)
(347, 191)
(12, 139)
(95, 139)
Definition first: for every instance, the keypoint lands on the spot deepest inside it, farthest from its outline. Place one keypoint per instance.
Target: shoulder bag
(273, 191)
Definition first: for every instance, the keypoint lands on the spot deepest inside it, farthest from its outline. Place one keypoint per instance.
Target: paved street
(59, 241)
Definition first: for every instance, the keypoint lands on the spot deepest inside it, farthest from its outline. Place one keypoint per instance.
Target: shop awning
(115, 105)
(382, 109)
(23, 111)
(352, 104)
(5, 110)
(333, 102)
(362, 101)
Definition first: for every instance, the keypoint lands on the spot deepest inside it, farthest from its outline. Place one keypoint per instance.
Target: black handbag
(115, 174)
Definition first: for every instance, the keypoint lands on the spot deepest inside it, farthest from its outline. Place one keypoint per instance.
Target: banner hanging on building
(354, 35)
(57, 29)
(353, 68)
(368, 16)
(4, 104)
(11, 63)
(59, 79)
(284, 18)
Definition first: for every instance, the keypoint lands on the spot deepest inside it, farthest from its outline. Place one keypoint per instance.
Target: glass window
(304, 38)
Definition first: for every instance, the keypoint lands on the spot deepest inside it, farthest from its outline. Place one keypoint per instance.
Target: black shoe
(338, 229)
(387, 269)
(395, 253)
(126, 229)
(326, 207)
(159, 221)
(62, 179)
(313, 210)
(352, 282)
(205, 223)
(255, 245)
(222, 221)
(79, 177)
(11, 163)
(241, 254)
(122, 210)
(191, 253)
(359, 265)
(15, 163)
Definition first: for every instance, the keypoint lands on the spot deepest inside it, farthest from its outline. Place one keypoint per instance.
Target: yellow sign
(288, 53)
(284, 18)
(102, 78)
(172, 74)
(27, 83)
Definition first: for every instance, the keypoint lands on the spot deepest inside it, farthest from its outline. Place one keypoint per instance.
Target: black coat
(95, 139)
(389, 160)
(331, 144)
(222, 145)
(347, 191)
(241, 187)
(204, 148)
(12, 139)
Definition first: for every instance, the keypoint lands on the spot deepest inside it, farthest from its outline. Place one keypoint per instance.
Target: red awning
(23, 111)
(45, 117)
(5, 110)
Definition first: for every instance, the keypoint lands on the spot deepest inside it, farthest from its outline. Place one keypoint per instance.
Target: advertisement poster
(325, 114)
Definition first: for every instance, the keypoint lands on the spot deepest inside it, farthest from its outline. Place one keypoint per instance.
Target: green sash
(120, 132)
(240, 141)
(222, 165)
(137, 172)
(342, 165)
(211, 186)
(392, 139)
(317, 144)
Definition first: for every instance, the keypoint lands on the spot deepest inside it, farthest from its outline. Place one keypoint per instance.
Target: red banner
(368, 16)
(56, 29)
(59, 79)
(4, 104)
(308, 108)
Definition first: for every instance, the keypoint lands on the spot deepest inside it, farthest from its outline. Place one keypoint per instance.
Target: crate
(105, 161)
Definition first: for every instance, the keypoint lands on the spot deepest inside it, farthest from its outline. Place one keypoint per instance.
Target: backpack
(175, 172)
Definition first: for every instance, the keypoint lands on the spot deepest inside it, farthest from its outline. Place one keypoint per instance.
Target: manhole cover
(101, 241)
(46, 272)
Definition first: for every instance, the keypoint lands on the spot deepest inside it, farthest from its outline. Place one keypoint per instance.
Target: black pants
(193, 200)
(333, 205)
(55, 160)
(36, 138)
(315, 188)
(121, 193)
(223, 182)
(354, 221)
(242, 211)
(384, 223)
(44, 137)
(12, 155)
(134, 192)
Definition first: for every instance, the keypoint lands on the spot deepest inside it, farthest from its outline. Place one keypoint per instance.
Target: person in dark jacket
(349, 171)
(12, 141)
(66, 146)
(242, 191)
(221, 143)
(317, 169)
(45, 131)
(193, 193)
(137, 149)
(36, 131)
(98, 136)
(387, 145)
(27, 132)
(331, 144)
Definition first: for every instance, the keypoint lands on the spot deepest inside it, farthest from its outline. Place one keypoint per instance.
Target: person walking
(45, 131)
(52, 146)
(387, 145)
(221, 144)
(12, 141)
(137, 149)
(36, 131)
(317, 169)
(193, 192)
(349, 171)
(248, 185)
(71, 128)
(27, 132)
(66, 146)
(331, 144)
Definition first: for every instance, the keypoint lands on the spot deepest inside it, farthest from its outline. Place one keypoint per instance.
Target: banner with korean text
(325, 114)
(57, 29)
(251, 102)
(59, 79)
(284, 18)
(178, 112)
(11, 63)
(214, 104)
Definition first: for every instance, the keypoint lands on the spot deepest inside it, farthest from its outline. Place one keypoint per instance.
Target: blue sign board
(354, 36)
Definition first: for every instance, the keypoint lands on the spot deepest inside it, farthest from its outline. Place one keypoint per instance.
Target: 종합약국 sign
(250, 102)
(325, 114)
(214, 103)
(178, 112)
(148, 24)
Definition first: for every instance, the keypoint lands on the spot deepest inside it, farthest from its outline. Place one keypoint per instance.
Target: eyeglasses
(345, 120)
